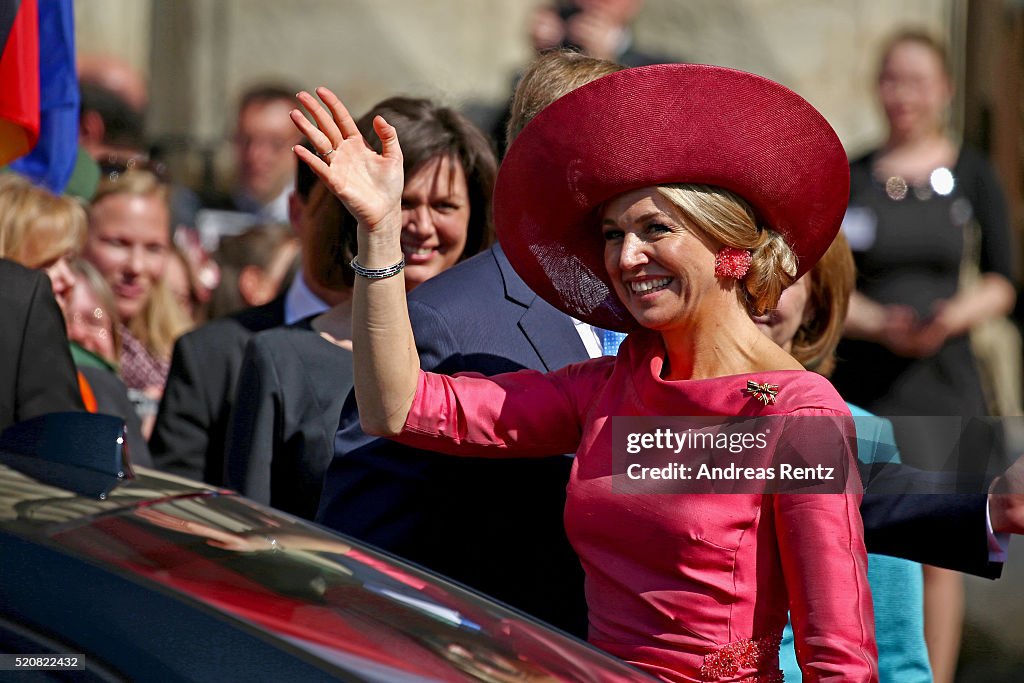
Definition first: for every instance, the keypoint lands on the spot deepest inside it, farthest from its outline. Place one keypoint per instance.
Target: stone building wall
(826, 51)
(199, 54)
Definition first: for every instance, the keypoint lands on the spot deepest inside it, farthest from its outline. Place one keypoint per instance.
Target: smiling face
(128, 242)
(661, 265)
(435, 219)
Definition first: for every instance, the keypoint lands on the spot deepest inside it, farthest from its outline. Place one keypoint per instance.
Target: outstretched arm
(370, 186)
(1006, 500)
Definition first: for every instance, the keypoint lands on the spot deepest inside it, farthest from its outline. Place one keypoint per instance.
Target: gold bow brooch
(765, 393)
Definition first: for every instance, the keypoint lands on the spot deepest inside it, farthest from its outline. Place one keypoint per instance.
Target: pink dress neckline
(643, 356)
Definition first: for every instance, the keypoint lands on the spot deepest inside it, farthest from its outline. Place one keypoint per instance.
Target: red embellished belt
(760, 654)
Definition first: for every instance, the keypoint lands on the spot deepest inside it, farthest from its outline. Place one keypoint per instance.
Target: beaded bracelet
(377, 273)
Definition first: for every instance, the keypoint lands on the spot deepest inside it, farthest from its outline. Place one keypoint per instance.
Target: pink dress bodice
(687, 586)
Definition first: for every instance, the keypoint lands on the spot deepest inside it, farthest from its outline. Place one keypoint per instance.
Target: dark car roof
(157, 576)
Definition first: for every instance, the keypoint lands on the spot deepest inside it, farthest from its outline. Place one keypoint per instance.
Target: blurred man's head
(264, 138)
(326, 244)
(117, 76)
(253, 266)
(111, 119)
(550, 76)
(108, 127)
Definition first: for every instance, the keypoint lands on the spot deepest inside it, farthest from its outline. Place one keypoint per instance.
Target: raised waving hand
(386, 365)
(368, 184)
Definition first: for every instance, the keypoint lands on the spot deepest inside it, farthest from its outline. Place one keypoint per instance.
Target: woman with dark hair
(294, 380)
(446, 204)
(670, 202)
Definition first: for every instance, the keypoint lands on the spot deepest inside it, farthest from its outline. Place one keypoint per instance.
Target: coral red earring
(732, 262)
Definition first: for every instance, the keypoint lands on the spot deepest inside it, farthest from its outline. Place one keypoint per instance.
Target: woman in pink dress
(669, 202)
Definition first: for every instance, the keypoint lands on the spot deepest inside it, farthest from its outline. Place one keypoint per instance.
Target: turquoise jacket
(896, 585)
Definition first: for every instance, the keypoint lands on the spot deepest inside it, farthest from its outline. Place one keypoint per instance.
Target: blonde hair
(90, 277)
(133, 181)
(161, 321)
(728, 219)
(551, 75)
(37, 226)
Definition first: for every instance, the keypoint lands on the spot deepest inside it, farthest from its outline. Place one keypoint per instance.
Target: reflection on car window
(306, 585)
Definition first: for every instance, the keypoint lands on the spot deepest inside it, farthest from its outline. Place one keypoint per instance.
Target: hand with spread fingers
(368, 184)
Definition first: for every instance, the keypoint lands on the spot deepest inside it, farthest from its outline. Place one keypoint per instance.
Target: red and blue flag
(39, 97)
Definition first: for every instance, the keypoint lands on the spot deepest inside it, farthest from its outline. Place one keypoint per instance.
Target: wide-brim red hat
(655, 125)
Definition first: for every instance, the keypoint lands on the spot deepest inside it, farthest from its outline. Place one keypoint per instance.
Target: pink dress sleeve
(526, 413)
(829, 597)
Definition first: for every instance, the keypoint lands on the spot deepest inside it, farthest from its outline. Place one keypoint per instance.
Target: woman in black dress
(922, 206)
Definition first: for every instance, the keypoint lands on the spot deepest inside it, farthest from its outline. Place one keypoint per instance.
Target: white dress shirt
(590, 339)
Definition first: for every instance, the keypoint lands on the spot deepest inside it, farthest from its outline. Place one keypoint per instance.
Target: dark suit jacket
(928, 517)
(281, 435)
(191, 427)
(36, 372)
(495, 525)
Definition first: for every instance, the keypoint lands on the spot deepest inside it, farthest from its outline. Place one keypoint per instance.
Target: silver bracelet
(377, 273)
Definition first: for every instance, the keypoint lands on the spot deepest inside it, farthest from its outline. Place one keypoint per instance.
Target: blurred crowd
(217, 321)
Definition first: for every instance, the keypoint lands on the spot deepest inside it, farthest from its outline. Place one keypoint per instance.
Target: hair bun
(773, 267)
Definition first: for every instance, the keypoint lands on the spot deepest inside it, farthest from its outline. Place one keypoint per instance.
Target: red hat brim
(656, 125)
